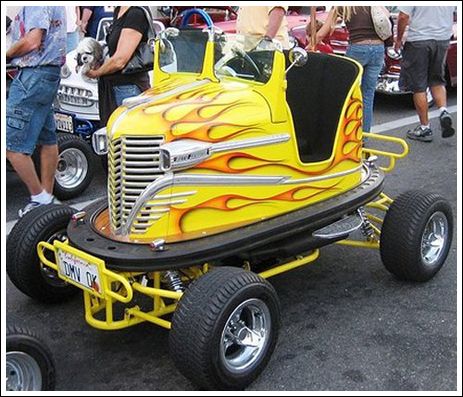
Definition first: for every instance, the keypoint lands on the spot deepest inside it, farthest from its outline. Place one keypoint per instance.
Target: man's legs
(439, 94)
(414, 78)
(421, 105)
(29, 122)
(24, 167)
(437, 81)
(48, 164)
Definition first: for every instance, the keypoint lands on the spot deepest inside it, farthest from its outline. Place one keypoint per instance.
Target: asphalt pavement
(347, 324)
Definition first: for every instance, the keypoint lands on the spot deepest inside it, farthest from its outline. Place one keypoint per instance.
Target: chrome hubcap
(72, 168)
(434, 238)
(245, 336)
(22, 372)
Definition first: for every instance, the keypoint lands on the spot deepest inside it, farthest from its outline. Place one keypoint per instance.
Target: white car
(77, 118)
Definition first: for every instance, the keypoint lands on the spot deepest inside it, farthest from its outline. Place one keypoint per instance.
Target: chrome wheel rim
(245, 336)
(22, 372)
(72, 168)
(434, 238)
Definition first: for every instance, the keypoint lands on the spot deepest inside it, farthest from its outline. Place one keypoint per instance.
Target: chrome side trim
(193, 180)
(134, 102)
(186, 153)
(171, 179)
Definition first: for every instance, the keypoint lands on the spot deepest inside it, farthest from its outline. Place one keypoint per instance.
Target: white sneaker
(34, 204)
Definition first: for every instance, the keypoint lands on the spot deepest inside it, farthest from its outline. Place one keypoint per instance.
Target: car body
(236, 167)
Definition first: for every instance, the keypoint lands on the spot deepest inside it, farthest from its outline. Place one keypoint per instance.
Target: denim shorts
(29, 112)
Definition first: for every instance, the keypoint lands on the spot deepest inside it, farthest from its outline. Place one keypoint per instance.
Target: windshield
(183, 51)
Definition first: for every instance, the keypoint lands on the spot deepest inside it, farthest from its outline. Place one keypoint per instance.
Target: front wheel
(23, 266)
(416, 235)
(225, 329)
(29, 363)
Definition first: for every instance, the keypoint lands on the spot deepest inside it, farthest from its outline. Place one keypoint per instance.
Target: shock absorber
(366, 228)
(174, 281)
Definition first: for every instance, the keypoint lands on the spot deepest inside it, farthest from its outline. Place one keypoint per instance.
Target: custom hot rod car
(234, 168)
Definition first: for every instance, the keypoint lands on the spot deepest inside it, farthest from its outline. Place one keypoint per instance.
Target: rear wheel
(416, 235)
(225, 329)
(26, 272)
(75, 166)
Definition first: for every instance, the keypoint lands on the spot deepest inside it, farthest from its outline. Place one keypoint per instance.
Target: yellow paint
(230, 110)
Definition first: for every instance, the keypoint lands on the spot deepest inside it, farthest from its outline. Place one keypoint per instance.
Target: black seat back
(316, 94)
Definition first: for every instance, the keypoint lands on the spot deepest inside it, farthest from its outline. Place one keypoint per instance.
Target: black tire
(22, 262)
(69, 184)
(402, 233)
(26, 351)
(201, 318)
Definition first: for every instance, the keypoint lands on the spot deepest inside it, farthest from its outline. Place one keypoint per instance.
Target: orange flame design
(223, 203)
(202, 101)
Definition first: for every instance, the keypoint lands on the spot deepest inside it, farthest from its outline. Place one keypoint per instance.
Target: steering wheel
(241, 53)
(196, 11)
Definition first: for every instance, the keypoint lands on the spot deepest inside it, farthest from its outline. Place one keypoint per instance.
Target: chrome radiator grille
(133, 164)
(75, 96)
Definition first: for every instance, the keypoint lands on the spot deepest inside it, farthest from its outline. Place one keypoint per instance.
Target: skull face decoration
(89, 55)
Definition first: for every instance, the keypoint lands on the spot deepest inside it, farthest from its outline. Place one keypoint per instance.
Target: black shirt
(134, 18)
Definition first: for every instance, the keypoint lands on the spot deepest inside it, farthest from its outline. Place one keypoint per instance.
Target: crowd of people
(41, 37)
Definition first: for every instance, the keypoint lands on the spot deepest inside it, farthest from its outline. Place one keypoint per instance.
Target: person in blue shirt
(90, 18)
(39, 51)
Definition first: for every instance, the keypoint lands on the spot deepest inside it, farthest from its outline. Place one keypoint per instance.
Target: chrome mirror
(298, 57)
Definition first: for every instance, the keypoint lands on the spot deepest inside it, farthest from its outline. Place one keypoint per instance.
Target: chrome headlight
(100, 141)
(65, 71)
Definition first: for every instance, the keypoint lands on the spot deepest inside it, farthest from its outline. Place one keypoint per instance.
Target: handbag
(381, 22)
(143, 58)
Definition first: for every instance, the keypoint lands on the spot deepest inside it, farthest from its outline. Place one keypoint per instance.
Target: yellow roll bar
(391, 155)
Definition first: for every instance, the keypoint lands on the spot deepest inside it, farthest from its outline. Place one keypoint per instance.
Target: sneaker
(446, 124)
(34, 204)
(420, 135)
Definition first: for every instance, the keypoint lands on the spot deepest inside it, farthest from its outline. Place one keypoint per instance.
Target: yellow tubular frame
(290, 265)
(382, 203)
(94, 304)
(113, 283)
(391, 155)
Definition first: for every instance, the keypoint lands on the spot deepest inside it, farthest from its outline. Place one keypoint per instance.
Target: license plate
(64, 123)
(80, 272)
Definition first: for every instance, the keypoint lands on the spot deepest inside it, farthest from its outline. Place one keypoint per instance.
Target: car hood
(187, 108)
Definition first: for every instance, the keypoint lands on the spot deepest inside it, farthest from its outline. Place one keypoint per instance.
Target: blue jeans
(371, 57)
(29, 113)
(122, 92)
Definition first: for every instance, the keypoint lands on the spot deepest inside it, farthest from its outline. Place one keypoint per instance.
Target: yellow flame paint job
(233, 109)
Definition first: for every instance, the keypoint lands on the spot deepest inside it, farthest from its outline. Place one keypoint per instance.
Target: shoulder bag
(381, 22)
(143, 58)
